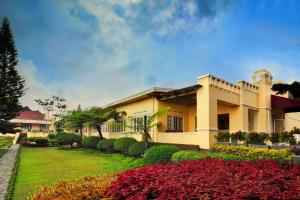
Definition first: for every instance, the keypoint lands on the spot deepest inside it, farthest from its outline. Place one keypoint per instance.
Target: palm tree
(95, 117)
(75, 121)
(293, 88)
(149, 123)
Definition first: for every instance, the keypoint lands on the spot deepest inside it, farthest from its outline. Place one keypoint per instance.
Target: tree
(54, 106)
(96, 117)
(75, 121)
(12, 85)
(149, 123)
(293, 88)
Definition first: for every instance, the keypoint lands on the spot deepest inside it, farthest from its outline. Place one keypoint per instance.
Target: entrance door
(223, 122)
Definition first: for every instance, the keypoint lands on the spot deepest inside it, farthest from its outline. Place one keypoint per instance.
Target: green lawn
(43, 166)
(5, 142)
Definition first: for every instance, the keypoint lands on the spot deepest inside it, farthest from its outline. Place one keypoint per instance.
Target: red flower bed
(209, 179)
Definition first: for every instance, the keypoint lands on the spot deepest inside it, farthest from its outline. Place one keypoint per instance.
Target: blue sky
(93, 52)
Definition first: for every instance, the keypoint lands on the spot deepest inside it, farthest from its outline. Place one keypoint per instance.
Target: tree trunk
(80, 132)
(146, 137)
(99, 131)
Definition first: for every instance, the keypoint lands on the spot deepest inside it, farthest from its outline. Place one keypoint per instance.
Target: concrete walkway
(6, 165)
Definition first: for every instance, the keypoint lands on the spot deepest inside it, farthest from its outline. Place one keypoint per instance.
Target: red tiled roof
(31, 115)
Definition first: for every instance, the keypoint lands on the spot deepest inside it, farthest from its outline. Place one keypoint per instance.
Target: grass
(43, 166)
(5, 142)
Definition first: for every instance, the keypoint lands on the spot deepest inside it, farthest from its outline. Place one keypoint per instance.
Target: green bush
(41, 142)
(187, 155)
(223, 136)
(275, 138)
(53, 142)
(238, 136)
(123, 144)
(90, 142)
(158, 154)
(51, 136)
(287, 137)
(68, 139)
(254, 154)
(137, 149)
(106, 145)
(257, 138)
(197, 155)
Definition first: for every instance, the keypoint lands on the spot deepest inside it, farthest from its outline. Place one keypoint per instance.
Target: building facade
(199, 111)
(34, 123)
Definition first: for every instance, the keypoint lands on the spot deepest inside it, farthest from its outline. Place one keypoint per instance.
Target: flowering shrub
(209, 179)
(254, 154)
(88, 188)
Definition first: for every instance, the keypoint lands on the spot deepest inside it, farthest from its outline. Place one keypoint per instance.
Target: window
(104, 127)
(43, 127)
(223, 122)
(26, 126)
(119, 127)
(175, 124)
(138, 123)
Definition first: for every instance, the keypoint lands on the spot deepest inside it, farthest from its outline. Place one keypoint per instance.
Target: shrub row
(35, 142)
(197, 155)
(254, 154)
(209, 179)
(258, 138)
(85, 188)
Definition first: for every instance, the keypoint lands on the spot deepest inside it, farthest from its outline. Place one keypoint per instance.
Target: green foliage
(12, 85)
(187, 155)
(295, 130)
(197, 155)
(6, 142)
(254, 154)
(257, 138)
(75, 121)
(287, 137)
(123, 144)
(137, 149)
(158, 154)
(275, 138)
(293, 88)
(53, 142)
(41, 142)
(96, 116)
(106, 144)
(238, 136)
(51, 136)
(68, 138)
(90, 142)
(223, 136)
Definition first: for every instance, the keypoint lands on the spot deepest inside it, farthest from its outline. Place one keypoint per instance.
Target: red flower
(209, 179)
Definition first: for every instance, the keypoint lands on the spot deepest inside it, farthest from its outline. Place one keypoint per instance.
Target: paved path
(6, 165)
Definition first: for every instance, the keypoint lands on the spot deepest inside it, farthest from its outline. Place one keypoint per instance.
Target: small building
(212, 104)
(33, 123)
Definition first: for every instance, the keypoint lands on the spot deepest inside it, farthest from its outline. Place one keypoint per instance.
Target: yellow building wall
(292, 120)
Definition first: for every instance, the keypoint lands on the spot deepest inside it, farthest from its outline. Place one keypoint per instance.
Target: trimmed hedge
(255, 154)
(123, 144)
(35, 142)
(157, 154)
(51, 136)
(137, 149)
(90, 142)
(68, 138)
(196, 155)
(106, 145)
